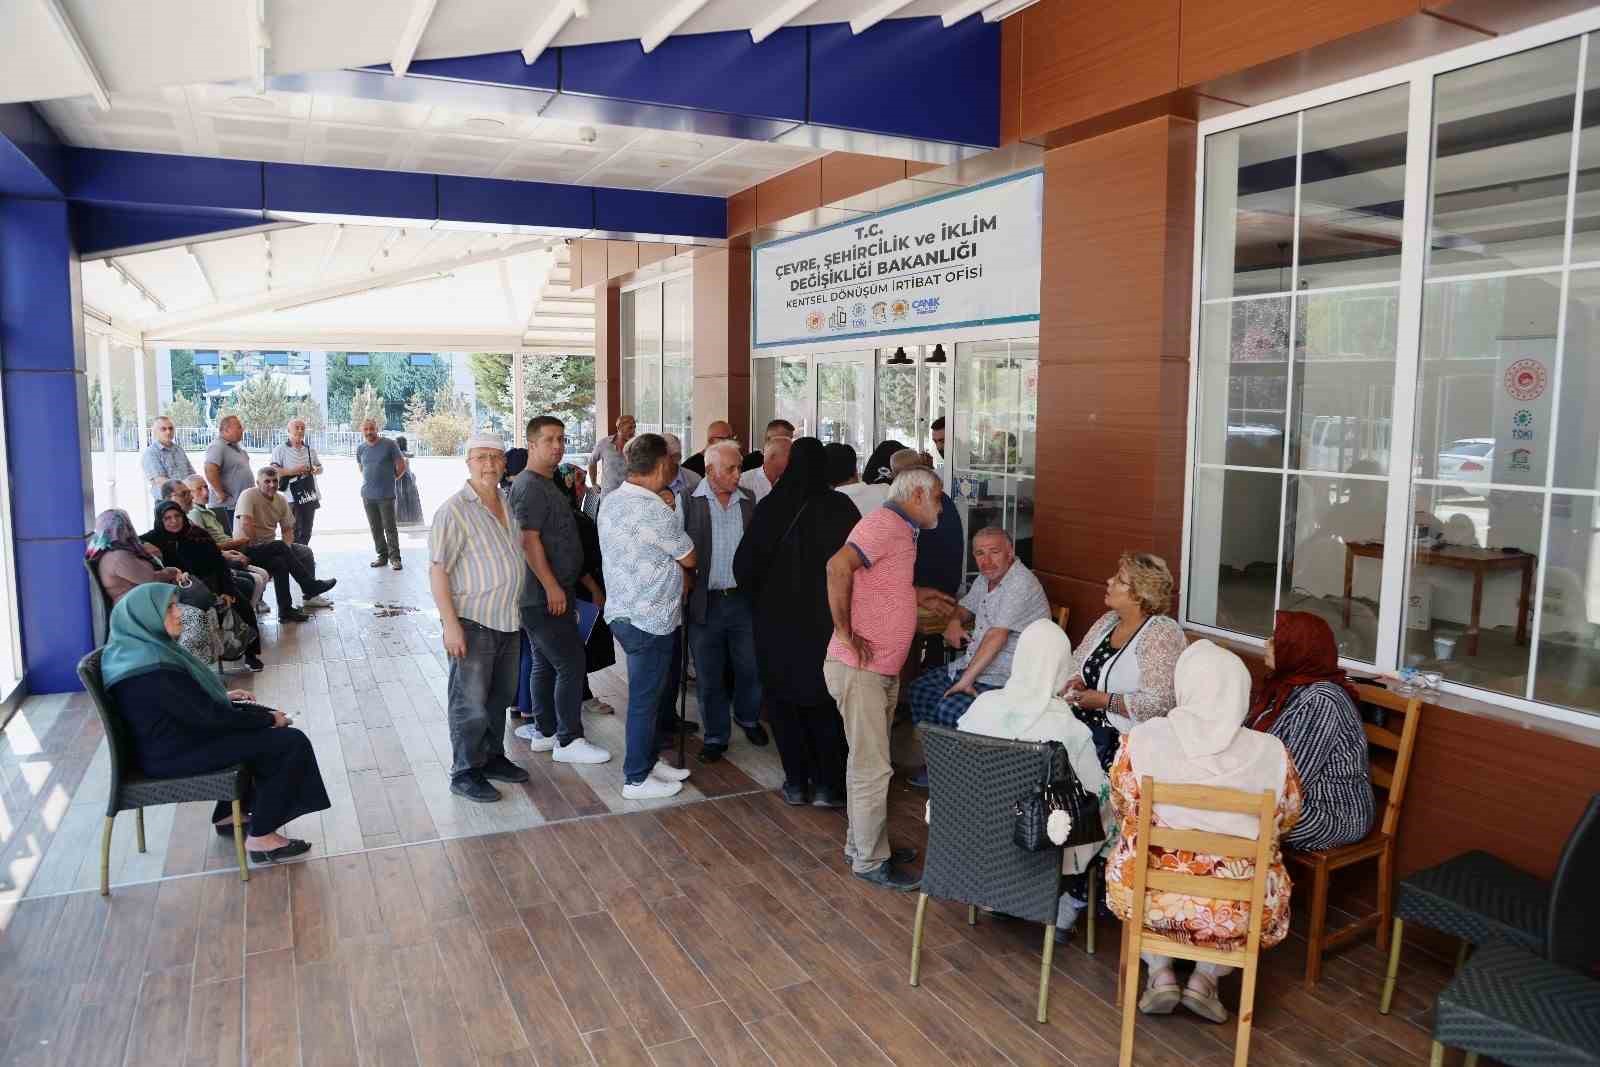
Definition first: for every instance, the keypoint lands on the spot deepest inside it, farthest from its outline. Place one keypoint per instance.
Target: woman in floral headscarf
(122, 562)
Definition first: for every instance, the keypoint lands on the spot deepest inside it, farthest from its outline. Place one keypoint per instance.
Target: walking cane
(683, 689)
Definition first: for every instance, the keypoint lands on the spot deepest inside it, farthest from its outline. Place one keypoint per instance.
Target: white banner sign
(962, 259)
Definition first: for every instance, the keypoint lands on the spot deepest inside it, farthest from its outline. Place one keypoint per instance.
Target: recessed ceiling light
(664, 163)
(251, 103)
(483, 122)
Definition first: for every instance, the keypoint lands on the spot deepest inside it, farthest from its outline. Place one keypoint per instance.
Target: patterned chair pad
(226, 784)
(1521, 1009)
(1478, 898)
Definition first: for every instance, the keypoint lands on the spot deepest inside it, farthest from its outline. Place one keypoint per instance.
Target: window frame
(1419, 75)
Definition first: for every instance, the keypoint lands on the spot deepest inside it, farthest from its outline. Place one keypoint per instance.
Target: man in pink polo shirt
(874, 607)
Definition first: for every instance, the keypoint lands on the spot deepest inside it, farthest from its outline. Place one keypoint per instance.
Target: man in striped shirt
(476, 578)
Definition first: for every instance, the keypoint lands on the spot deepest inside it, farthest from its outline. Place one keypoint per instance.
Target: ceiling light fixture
(937, 355)
(130, 280)
(899, 359)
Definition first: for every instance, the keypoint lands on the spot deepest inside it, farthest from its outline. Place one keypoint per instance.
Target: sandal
(1160, 998)
(1204, 1002)
(295, 847)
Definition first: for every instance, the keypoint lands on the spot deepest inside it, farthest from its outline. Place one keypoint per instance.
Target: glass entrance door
(913, 392)
(844, 399)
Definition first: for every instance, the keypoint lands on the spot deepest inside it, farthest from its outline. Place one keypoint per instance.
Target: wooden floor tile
(272, 1024)
(216, 1025)
(642, 1000)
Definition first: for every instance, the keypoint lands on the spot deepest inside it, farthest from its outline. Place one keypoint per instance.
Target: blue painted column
(47, 447)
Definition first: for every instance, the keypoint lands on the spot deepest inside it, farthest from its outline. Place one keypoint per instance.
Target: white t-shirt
(757, 482)
(866, 498)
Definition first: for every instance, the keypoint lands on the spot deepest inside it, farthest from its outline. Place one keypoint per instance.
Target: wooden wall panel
(848, 173)
(1084, 57)
(655, 253)
(1113, 343)
(721, 338)
(1223, 36)
(608, 356)
(622, 257)
(789, 193)
(593, 255)
(742, 212)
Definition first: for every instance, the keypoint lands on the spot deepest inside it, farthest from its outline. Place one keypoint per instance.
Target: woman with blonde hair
(1202, 741)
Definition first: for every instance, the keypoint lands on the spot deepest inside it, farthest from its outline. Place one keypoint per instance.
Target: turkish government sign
(967, 258)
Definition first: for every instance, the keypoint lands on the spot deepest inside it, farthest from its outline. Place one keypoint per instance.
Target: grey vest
(697, 524)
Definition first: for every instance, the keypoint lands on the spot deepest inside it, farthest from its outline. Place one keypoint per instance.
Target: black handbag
(193, 593)
(1059, 792)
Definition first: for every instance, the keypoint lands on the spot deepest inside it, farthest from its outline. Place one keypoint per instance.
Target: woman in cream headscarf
(1029, 708)
(1202, 741)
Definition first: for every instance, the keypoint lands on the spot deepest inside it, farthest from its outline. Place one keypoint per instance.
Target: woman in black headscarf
(782, 564)
(184, 545)
(878, 472)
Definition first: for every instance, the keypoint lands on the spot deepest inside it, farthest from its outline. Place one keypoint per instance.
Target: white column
(108, 439)
(164, 378)
(517, 419)
(145, 506)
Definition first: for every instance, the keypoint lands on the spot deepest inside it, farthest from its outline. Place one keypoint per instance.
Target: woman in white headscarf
(1029, 708)
(1202, 741)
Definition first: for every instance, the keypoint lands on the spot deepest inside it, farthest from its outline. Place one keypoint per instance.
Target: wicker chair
(1482, 900)
(1538, 1006)
(130, 790)
(100, 604)
(973, 783)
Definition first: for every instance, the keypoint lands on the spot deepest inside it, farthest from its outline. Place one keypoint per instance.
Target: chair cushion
(225, 784)
(1519, 1008)
(1478, 898)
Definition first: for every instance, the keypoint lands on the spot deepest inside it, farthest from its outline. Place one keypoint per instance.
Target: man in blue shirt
(381, 463)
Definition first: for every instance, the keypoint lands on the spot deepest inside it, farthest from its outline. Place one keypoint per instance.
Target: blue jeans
(559, 671)
(649, 669)
(930, 705)
(727, 635)
(480, 685)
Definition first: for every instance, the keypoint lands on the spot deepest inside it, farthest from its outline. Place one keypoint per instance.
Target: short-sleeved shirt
(613, 464)
(883, 601)
(537, 504)
(377, 462)
(1015, 602)
(641, 541)
(207, 520)
(164, 462)
(757, 482)
(267, 515)
(234, 465)
(482, 555)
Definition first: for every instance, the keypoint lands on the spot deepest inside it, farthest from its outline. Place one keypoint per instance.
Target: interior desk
(1478, 561)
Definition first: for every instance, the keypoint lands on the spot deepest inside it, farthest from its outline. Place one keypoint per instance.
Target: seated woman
(1306, 702)
(1125, 662)
(183, 543)
(1028, 708)
(184, 722)
(122, 562)
(1202, 741)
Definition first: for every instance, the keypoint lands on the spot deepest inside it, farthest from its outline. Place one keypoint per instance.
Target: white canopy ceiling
(64, 48)
(331, 286)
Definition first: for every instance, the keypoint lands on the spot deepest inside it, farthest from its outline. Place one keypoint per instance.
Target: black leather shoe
(474, 786)
(902, 856)
(711, 753)
(254, 663)
(888, 876)
(381, 561)
(500, 769)
(796, 795)
(293, 615)
(756, 735)
(827, 798)
(294, 848)
(318, 588)
(224, 830)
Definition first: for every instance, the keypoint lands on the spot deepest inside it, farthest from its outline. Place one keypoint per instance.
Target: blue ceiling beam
(31, 161)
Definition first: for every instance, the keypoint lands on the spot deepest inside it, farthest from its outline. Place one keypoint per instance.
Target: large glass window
(1327, 349)
(994, 439)
(656, 324)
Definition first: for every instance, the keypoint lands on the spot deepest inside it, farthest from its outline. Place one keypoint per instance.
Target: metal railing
(132, 438)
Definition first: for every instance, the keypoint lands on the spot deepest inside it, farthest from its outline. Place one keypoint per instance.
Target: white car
(1469, 459)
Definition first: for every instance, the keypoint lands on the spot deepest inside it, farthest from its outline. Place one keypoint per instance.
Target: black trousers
(810, 740)
(244, 601)
(284, 561)
(283, 780)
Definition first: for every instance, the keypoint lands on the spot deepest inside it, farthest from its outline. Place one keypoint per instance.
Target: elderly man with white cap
(476, 577)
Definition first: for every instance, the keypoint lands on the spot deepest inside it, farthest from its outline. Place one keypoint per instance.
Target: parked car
(1468, 459)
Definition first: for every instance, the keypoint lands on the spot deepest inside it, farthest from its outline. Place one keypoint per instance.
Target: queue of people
(798, 595)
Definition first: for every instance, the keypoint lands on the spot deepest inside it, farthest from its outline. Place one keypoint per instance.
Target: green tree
(262, 403)
(491, 373)
(186, 377)
(119, 408)
(562, 386)
(416, 413)
(391, 374)
(307, 408)
(446, 428)
(367, 404)
(183, 411)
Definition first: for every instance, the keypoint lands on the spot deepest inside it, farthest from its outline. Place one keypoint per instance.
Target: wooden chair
(1135, 937)
(1061, 614)
(1389, 748)
(132, 791)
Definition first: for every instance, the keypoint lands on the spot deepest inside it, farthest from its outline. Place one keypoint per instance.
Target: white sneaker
(651, 789)
(536, 741)
(580, 751)
(668, 773)
(319, 601)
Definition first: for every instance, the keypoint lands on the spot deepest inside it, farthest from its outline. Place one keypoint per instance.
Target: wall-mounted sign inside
(967, 258)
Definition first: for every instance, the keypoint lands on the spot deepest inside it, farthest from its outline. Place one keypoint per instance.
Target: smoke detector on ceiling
(587, 134)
